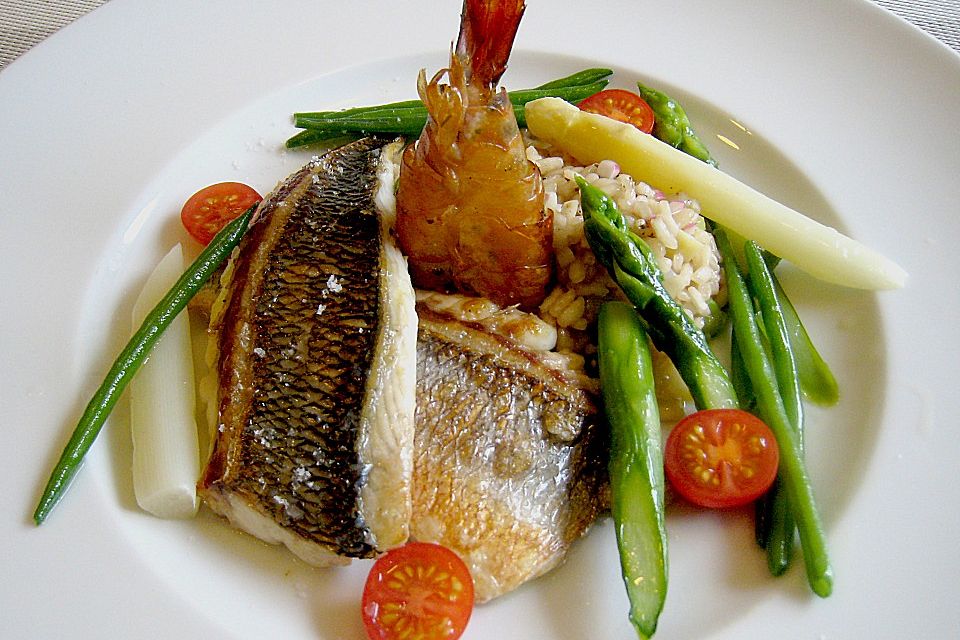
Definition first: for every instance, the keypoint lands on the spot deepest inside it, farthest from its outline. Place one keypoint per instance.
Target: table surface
(24, 23)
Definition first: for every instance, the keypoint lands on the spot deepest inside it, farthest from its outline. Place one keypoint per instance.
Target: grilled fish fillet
(509, 462)
(316, 333)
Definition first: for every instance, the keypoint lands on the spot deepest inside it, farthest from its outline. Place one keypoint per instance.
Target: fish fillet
(509, 460)
(315, 336)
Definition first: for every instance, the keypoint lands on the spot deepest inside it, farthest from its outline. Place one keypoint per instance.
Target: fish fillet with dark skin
(342, 431)
(315, 337)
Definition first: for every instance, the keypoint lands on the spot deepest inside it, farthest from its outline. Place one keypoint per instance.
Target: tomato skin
(209, 210)
(422, 587)
(719, 458)
(621, 105)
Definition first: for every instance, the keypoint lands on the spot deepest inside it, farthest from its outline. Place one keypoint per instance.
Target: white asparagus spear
(166, 456)
(815, 248)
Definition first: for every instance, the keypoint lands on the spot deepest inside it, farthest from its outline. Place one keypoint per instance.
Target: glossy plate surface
(836, 108)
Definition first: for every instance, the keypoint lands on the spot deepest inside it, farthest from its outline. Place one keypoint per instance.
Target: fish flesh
(314, 336)
(509, 464)
(343, 430)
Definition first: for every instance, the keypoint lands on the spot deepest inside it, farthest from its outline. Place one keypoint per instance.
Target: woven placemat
(24, 23)
(939, 18)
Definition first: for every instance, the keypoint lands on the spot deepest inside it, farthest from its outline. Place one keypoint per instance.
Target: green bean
(636, 461)
(781, 526)
(132, 357)
(798, 364)
(410, 120)
(741, 382)
(762, 285)
(570, 94)
(775, 525)
(770, 408)
(717, 321)
(409, 117)
(816, 379)
(763, 508)
(587, 76)
(740, 378)
(361, 112)
(633, 267)
(312, 136)
(407, 122)
(592, 78)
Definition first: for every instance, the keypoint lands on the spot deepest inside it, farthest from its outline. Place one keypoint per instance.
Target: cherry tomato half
(621, 105)
(210, 209)
(721, 458)
(420, 590)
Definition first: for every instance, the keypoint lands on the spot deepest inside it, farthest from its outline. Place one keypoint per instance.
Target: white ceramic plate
(837, 108)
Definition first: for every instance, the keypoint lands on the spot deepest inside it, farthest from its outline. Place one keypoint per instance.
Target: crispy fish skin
(509, 461)
(316, 363)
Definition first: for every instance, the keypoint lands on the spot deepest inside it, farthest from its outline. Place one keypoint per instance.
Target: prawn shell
(470, 212)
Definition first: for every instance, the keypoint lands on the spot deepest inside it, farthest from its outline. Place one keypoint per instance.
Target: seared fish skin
(509, 459)
(316, 340)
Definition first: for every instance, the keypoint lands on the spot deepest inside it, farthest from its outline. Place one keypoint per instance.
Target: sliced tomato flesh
(721, 458)
(420, 590)
(621, 105)
(209, 210)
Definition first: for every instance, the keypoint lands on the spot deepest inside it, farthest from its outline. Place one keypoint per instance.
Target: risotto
(670, 224)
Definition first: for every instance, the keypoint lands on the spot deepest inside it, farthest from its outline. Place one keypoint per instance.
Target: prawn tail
(446, 109)
(487, 31)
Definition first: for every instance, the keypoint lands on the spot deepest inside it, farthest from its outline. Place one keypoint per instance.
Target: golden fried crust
(508, 458)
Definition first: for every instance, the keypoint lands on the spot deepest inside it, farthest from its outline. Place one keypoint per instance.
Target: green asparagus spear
(810, 374)
(670, 116)
(672, 126)
(132, 357)
(771, 410)
(633, 267)
(636, 461)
